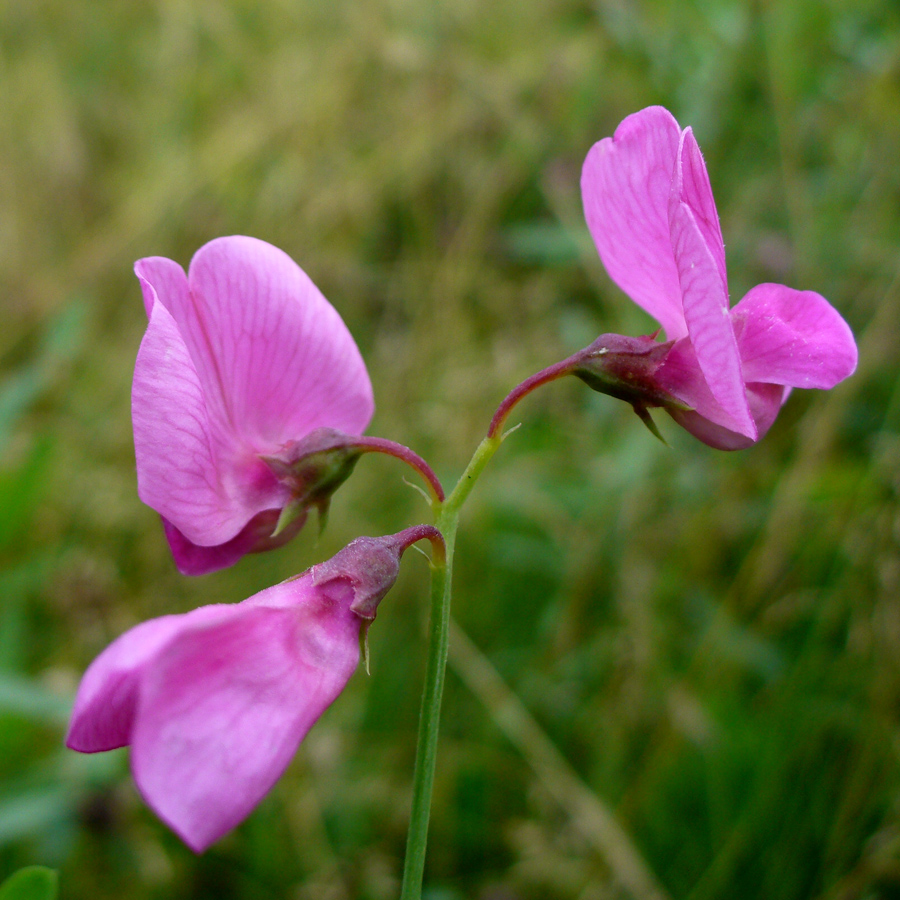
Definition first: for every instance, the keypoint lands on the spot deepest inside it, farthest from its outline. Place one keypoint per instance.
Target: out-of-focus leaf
(17, 585)
(437, 893)
(542, 243)
(30, 883)
(31, 813)
(60, 342)
(28, 699)
(20, 489)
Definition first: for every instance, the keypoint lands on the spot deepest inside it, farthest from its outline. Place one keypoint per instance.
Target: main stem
(435, 670)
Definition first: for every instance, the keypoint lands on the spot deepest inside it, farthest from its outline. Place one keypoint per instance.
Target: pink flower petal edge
(223, 712)
(215, 702)
(242, 356)
(650, 209)
(625, 184)
(795, 338)
(704, 292)
(254, 537)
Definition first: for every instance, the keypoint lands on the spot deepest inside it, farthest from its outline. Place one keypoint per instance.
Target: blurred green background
(704, 646)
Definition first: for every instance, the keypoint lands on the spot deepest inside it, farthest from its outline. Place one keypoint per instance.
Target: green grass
(708, 642)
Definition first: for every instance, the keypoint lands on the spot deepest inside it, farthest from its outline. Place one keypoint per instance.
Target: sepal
(625, 368)
(312, 469)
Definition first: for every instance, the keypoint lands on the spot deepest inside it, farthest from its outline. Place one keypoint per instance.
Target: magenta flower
(650, 210)
(242, 359)
(215, 702)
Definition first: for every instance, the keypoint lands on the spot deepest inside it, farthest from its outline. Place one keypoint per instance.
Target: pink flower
(215, 702)
(650, 210)
(242, 359)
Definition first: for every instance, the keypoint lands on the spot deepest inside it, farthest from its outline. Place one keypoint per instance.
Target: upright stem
(435, 670)
(447, 519)
(429, 718)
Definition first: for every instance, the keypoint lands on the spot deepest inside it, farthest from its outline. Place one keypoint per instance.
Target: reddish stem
(398, 451)
(551, 373)
(406, 538)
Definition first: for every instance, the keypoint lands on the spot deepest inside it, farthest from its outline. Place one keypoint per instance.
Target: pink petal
(178, 452)
(224, 707)
(274, 358)
(680, 375)
(792, 337)
(696, 192)
(625, 187)
(765, 402)
(706, 311)
(255, 537)
(162, 281)
(107, 698)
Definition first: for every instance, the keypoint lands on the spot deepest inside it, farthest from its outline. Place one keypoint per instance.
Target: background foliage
(703, 644)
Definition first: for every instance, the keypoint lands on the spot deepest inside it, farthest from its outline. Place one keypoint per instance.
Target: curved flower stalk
(243, 358)
(215, 702)
(724, 372)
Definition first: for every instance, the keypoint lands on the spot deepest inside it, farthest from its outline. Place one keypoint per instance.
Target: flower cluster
(249, 404)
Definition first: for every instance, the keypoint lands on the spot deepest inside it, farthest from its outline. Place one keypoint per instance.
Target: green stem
(435, 670)
(482, 456)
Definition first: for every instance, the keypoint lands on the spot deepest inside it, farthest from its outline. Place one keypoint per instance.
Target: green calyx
(313, 470)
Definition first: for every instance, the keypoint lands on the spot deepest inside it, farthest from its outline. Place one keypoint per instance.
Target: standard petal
(224, 707)
(274, 358)
(163, 281)
(625, 186)
(106, 702)
(696, 192)
(180, 468)
(708, 321)
(795, 338)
